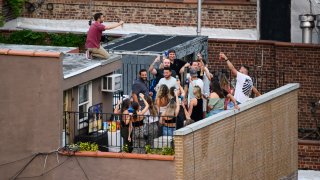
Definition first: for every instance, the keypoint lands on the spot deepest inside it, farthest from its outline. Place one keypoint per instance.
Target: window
(84, 102)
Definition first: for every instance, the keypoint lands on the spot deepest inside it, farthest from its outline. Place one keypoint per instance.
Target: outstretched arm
(130, 131)
(255, 91)
(177, 104)
(208, 74)
(145, 103)
(117, 109)
(191, 106)
(181, 71)
(112, 26)
(151, 68)
(186, 113)
(234, 101)
(230, 65)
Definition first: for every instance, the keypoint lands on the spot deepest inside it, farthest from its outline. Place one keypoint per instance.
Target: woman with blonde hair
(162, 98)
(196, 105)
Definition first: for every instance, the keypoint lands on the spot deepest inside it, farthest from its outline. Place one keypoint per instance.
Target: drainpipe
(307, 25)
(318, 26)
(199, 18)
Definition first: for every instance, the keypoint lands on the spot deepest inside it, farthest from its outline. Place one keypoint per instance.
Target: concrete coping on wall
(243, 107)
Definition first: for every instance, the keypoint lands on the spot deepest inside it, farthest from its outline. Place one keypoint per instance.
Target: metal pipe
(318, 26)
(199, 18)
(307, 25)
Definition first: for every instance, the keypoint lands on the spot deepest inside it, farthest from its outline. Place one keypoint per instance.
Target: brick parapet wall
(309, 154)
(215, 15)
(296, 62)
(257, 143)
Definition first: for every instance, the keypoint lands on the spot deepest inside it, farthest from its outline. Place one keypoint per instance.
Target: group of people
(167, 106)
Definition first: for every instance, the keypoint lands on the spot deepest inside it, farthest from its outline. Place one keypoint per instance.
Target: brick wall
(241, 15)
(282, 63)
(257, 143)
(309, 153)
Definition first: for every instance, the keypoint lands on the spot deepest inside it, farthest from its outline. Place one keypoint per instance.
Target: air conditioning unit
(111, 83)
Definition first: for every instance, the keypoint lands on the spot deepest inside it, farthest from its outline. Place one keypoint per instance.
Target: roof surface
(74, 64)
(149, 43)
(36, 48)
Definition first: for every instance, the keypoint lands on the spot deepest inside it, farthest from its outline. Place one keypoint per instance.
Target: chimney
(307, 25)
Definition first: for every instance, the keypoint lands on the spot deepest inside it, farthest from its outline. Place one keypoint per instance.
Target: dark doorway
(275, 20)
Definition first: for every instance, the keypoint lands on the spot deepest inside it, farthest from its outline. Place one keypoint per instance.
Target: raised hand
(223, 56)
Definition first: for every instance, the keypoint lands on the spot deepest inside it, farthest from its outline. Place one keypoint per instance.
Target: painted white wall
(81, 26)
(302, 7)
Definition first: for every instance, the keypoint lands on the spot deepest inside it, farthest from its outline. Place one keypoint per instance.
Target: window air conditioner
(111, 83)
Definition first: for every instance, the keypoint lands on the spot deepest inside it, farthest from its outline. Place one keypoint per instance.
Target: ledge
(120, 155)
(229, 2)
(243, 107)
(29, 53)
(309, 142)
(265, 42)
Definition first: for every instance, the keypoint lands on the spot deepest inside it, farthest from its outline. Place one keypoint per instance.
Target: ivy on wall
(1, 21)
(16, 6)
(40, 38)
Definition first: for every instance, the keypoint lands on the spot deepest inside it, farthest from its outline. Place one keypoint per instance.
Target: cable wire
(28, 177)
(85, 174)
(24, 167)
(17, 160)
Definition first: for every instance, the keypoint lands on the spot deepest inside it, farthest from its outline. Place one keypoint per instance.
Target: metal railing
(110, 133)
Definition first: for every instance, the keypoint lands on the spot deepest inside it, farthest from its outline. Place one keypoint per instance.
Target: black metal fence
(112, 134)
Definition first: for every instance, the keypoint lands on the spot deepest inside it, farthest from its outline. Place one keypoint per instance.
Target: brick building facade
(215, 14)
(281, 63)
(259, 142)
(298, 62)
(309, 153)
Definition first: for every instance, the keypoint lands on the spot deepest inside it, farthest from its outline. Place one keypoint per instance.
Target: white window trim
(89, 103)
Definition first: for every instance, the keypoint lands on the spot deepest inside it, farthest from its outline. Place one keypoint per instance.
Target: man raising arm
(244, 85)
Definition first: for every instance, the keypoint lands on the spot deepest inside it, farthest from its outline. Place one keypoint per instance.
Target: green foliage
(69, 40)
(26, 37)
(16, 6)
(3, 39)
(73, 147)
(87, 146)
(125, 148)
(2, 21)
(40, 38)
(167, 151)
(163, 151)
